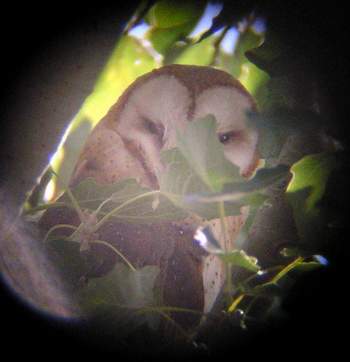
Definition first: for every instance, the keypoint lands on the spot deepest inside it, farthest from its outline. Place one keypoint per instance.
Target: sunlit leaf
(254, 80)
(241, 259)
(198, 54)
(306, 189)
(207, 240)
(171, 21)
(168, 14)
(246, 72)
(163, 39)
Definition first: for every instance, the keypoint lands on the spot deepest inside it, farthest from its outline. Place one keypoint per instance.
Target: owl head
(145, 120)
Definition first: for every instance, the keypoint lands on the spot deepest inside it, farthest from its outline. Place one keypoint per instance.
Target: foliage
(198, 180)
(306, 189)
(172, 21)
(205, 154)
(123, 289)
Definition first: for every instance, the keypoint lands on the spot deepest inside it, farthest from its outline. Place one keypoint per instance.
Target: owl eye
(154, 128)
(224, 138)
(228, 136)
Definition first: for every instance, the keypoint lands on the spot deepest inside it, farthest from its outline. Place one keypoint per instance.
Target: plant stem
(126, 203)
(102, 242)
(71, 196)
(287, 269)
(171, 309)
(103, 203)
(223, 225)
(224, 236)
(59, 226)
(235, 303)
(75, 204)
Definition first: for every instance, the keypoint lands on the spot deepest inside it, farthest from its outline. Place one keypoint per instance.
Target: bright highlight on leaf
(306, 189)
(207, 241)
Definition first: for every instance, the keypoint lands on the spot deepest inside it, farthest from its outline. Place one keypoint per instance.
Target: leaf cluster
(197, 180)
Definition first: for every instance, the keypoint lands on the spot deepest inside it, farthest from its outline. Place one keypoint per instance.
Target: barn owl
(128, 141)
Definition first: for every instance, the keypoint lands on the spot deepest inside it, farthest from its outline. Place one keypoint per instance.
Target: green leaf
(178, 177)
(237, 191)
(90, 195)
(163, 39)
(306, 189)
(182, 184)
(172, 21)
(197, 54)
(238, 194)
(237, 64)
(241, 259)
(167, 13)
(204, 153)
(122, 287)
(179, 180)
(241, 68)
(119, 294)
(199, 166)
(263, 178)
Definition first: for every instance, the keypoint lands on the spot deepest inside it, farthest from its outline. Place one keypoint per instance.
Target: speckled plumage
(127, 144)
